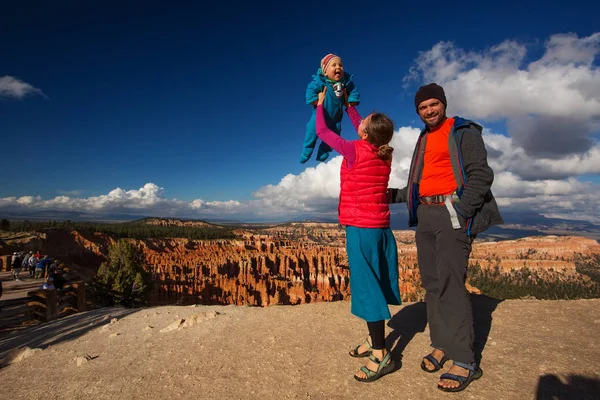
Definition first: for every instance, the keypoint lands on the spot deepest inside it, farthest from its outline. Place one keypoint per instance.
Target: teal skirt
(373, 262)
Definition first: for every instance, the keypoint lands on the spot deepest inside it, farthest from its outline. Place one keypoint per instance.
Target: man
(49, 284)
(25, 261)
(16, 265)
(33, 260)
(40, 267)
(449, 200)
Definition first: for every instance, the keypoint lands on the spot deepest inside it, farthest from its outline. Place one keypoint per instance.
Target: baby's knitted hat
(326, 60)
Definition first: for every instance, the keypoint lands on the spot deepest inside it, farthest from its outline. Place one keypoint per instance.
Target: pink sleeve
(339, 144)
(354, 116)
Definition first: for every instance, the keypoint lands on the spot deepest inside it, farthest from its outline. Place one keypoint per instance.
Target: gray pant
(443, 255)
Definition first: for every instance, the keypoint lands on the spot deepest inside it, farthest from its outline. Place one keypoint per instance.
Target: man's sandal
(384, 367)
(437, 365)
(354, 352)
(474, 373)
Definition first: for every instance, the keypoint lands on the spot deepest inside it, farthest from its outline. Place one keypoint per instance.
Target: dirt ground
(531, 350)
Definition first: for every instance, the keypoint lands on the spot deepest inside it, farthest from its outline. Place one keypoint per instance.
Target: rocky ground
(532, 350)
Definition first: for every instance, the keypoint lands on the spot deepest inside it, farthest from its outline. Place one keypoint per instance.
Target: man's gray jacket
(472, 173)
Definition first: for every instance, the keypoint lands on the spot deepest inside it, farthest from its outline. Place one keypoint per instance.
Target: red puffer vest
(363, 198)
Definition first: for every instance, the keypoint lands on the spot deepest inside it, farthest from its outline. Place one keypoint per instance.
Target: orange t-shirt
(437, 177)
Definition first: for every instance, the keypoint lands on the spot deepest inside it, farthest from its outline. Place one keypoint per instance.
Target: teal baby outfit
(333, 108)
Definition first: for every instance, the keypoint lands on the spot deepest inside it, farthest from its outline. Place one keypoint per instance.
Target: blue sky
(206, 103)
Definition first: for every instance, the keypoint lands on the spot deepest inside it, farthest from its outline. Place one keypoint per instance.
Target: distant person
(15, 264)
(49, 284)
(450, 201)
(25, 261)
(330, 75)
(54, 267)
(370, 244)
(59, 279)
(33, 260)
(40, 267)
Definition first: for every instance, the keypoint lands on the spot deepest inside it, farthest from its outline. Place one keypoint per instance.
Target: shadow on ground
(60, 330)
(412, 319)
(483, 308)
(23, 287)
(550, 387)
(407, 322)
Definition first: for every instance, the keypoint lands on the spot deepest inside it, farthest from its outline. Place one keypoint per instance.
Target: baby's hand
(346, 104)
(322, 96)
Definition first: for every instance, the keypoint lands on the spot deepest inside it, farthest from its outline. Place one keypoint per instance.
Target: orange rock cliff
(289, 264)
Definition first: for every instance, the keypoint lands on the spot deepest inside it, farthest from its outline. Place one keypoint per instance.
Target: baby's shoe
(322, 156)
(305, 157)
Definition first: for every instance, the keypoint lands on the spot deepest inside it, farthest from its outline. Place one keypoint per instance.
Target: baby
(331, 75)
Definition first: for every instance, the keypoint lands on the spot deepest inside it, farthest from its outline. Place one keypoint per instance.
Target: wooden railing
(15, 312)
(43, 305)
(5, 263)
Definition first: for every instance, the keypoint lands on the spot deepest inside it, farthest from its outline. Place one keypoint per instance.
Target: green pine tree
(124, 274)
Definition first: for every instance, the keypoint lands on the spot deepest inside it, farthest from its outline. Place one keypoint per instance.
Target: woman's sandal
(464, 381)
(437, 365)
(354, 352)
(384, 367)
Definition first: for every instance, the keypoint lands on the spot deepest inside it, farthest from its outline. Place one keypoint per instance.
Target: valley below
(306, 262)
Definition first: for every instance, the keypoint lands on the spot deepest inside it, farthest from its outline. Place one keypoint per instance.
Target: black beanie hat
(431, 91)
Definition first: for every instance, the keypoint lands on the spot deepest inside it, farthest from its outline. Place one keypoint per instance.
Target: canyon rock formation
(287, 264)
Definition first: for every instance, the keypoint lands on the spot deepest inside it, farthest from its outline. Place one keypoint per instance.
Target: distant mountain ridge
(516, 224)
(77, 216)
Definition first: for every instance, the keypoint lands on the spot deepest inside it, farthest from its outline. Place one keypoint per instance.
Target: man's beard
(439, 119)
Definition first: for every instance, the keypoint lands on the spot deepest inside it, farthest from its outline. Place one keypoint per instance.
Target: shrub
(123, 277)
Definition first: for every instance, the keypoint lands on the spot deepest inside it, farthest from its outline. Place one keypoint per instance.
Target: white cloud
(223, 205)
(11, 87)
(314, 192)
(538, 192)
(552, 109)
(551, 105)
(316, 189)
(505, 155)
(148, 199)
